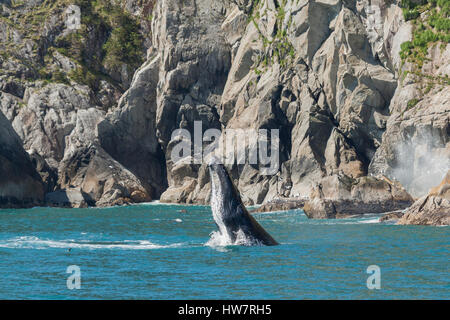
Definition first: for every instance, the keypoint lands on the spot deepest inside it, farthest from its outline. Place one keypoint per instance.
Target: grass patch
(430, 29)
(412, 103)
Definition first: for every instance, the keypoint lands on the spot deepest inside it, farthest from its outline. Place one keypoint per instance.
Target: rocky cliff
(356, 88)
(339, 196)
(61, 86)
(20, 184)
(432, 209)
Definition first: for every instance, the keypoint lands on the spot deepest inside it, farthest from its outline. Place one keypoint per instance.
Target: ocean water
(157, 251)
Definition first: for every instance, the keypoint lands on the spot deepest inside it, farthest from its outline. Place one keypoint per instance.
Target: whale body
(229, 213)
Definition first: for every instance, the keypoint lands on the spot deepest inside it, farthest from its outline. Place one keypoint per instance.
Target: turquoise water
(156, 251)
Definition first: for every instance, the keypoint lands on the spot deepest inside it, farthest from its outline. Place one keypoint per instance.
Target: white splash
(218, 239)
(27, 242)
(421, 163)
(244, 240)
(376, 220)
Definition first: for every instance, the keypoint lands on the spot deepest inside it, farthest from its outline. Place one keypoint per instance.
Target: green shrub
(44, 74)
(72, 45)
(410, 14)
(412, 103)
(422, 38)
(405, 49)
(125, 43)
(84, 76)
(411, 4)
(432, 28)
(439, 21)
(58, 76)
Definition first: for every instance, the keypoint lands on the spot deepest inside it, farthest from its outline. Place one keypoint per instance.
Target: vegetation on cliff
(431, 25)
(107, 41)
(431, 22)
(277, 48)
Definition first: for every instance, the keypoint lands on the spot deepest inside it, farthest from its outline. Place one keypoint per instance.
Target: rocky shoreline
(432, 209)
(280, 205)
(341, 195)
(360, 98)
(392, 216)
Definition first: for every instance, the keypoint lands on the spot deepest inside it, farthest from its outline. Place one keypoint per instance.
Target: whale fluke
(229, 213)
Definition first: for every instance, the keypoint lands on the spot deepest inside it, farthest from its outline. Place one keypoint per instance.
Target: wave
(170, 204)
(27, 242)
(343, 221)
(376, 220)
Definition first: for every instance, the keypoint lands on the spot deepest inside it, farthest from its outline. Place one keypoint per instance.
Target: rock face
(415, 147)
(281, 205)
(416, 144)
(392, 216)
(78, 135)
(432, 209)
(20, 184)
(338, 196)
(68, 198)
(101, 178)
(323, 72)
(194, 62)
(128, 132)
(96, 106)
(59, 126)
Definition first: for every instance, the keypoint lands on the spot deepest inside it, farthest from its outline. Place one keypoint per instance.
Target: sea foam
(30, 242)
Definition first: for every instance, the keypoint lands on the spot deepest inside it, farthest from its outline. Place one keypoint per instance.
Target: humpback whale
(229, 213)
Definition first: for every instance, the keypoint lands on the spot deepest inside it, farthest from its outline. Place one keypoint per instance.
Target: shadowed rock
(281, 205)
(340, 196)
(392, 216)
(20, 184)
(70, 198)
